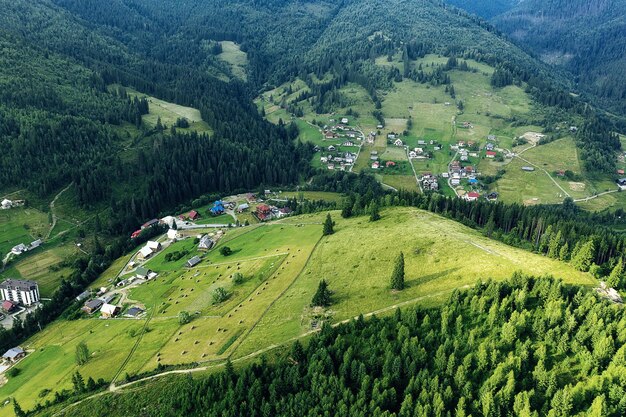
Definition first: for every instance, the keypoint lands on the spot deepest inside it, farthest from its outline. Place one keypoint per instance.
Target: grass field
(21, 225)
(282, 263)
(236, 58)
(527, 187)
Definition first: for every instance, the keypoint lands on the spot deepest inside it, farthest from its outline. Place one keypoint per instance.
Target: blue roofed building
(218, 208)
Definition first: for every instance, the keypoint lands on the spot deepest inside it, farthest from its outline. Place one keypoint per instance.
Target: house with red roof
(193, 215)
(390, 164)
(263, 212)
(491, 154)
(472, 196)
(135, 234)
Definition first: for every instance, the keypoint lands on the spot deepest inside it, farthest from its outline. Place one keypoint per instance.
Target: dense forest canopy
(527, 347)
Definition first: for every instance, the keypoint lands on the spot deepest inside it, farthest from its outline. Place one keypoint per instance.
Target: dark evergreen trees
(329, 226)
(322, 297)
(397, 276)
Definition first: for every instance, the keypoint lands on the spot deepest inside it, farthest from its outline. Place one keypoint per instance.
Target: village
(346, 144)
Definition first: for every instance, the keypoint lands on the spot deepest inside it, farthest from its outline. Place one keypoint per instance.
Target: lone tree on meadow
(226, 251)
(397, 277)
(329, 226)
(374, 212)
(82, 353)
(322, 295)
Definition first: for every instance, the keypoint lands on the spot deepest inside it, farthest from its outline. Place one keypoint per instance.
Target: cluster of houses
(146, 225)
(6, 204)
(151, 247)
(421, 151)
(266, 212)
(21, 248)
(338, 160)
(429, 182)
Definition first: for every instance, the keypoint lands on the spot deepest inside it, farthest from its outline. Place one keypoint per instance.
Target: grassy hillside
(282, 264)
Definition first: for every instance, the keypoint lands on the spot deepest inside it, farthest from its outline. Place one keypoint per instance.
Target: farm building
(135, 234)
(150, 249)
(6, 204)
(242, 207)
(83, 295)
(109, 310)
(193, 262)
(92, 306)
(168, 221)
(142, 272)
(19, 249)
(14, 354)
(528, 169)
(622, 183)
(206, 243)
(173, 234)
(19, 291)
(193, 215)
(133, 312)
(150, 223)
(344, 120)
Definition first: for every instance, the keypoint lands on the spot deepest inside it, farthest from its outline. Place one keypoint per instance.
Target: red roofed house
(469, 170)
(491, 154)
(135, 234)
(620, 172)
(263, 212)
(472, 196)
(390, 164)
(8, 306)
(193, 215)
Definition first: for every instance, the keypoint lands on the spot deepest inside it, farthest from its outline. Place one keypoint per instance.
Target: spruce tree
(583, 258)
(17, 409)
(374, 212)
(397, 277)
(329, 226)
(615, 278)
(322, 295)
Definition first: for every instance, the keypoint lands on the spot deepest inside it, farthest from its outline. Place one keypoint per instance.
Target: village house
(391, 136)
(243, 207)
(331, 148)
(6, 204)
(8, 306)
(20, 291)
(264, 212)
(379, 126)
(621, 183)
(421, 142)
(13, 355)
(493, 196)
(344, 120)
(375, 165)
(149, 249)
(528, 169)
(193, 262)
(283, 212)
(412, 154)
(347, 143)
(490, 147)
(92, 306)
(19, 249)
(206, 243)
(142, 273)
(472, 196)
(218, 208)
(169, 221)
(455, 181)
(491, 137)
(193, 215)
(83, 295)
(109, 310)
(172, 234)
(491, 154)
(133, 312)
(331, 166)
(398, 142)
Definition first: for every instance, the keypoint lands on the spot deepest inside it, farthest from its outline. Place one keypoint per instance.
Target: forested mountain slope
(588, 38)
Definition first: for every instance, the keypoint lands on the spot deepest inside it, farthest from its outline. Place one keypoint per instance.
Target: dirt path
(54, 216)
(546, 172)
(580, 200)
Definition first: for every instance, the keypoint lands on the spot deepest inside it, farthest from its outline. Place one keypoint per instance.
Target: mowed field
(169, 113)
(21, 225)
(282, 264)
(232, 53)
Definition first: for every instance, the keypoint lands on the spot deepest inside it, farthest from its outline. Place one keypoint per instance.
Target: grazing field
(518, 186)
(21, 225)
(281, 264)
(312, 195)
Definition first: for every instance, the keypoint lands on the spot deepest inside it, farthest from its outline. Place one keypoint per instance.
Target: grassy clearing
(282, 264)
(527, 187)
(312, 195)
(357, 260)
(21, 225)
(236, 58)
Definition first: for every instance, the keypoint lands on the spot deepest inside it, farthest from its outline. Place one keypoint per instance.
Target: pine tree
(78, 382)
(583, 258)
(555, 243)
(346, 210)
(374, 212)
(329, 226)
(564, 252)
(322, 295)
(615, 278)
(397, 277)
(17, 409)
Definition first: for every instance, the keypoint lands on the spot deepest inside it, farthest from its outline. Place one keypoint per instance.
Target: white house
(22, 292)
(6, 204)
(344, 120)
(19, 249)
(109, 310)
(398, 142)
(172, 234)
(168, 220)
